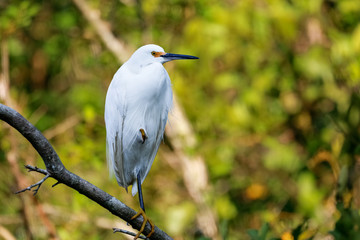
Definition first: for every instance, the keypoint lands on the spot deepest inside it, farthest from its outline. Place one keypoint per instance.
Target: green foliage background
(274, 102)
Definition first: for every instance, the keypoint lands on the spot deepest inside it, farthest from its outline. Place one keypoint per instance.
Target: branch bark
(57, 170)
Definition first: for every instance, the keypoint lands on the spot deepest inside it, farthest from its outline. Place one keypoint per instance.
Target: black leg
(142, 212)
(141, 200)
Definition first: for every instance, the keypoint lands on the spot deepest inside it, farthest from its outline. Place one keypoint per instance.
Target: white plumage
(137, 104)
(139, 97)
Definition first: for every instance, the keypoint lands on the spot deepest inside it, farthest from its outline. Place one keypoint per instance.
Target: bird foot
(146, 219)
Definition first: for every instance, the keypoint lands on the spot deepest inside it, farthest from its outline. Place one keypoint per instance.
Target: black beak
(173, 56)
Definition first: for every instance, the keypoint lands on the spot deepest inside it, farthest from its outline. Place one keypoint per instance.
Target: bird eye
(153, 53)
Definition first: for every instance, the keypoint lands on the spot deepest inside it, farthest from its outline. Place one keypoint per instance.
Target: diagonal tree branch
(57, 170)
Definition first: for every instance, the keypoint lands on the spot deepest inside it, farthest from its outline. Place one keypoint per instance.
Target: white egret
(138, 101)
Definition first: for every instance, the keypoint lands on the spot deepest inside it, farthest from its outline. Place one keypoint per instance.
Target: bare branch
(56, 169)
(36, 169)
(54, 185)
(37, 185)
(34, 136)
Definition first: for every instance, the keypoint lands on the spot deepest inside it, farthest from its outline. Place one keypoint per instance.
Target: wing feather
(129, 107)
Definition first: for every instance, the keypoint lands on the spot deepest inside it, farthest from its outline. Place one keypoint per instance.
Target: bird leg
(142, 211)
(143, 135)
(146, 219)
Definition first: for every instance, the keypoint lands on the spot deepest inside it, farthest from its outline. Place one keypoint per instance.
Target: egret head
(152, 53)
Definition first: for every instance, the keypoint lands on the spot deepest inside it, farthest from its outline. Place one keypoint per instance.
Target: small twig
(54, 185)
(38, 184)
(36, 169)
(127, 232)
